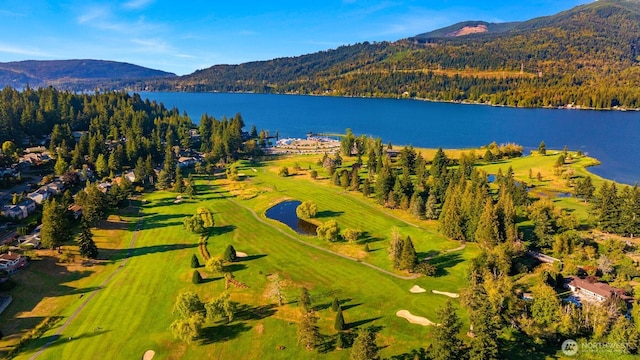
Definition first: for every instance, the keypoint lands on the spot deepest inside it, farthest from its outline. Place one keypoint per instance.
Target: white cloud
(136, 4)
(10, 49)
(92, 14)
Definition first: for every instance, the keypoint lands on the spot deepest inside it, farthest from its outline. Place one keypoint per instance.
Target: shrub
(194, 262)
(284, 171)
(229, 254)
(351, 235)
(196, 278)
(313, 174)
(329, 231)
(307, 209)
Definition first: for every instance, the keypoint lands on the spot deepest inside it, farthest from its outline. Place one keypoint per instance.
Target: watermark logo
(569, 347)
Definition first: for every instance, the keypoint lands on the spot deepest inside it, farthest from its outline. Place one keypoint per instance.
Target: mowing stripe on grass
(56, 336)
(320, 247)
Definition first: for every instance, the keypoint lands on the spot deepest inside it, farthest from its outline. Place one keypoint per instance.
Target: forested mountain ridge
(74, 74)
(587, 56)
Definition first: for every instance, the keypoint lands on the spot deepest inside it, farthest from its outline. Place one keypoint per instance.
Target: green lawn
(125, 307)
(132, 312)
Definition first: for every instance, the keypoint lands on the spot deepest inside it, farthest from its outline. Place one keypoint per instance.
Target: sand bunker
(417, 289)
(148, 355)
(240, 254)
(414, 319)
(451, 295)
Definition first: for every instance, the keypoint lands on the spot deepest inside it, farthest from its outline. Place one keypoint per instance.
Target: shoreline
(462, 102)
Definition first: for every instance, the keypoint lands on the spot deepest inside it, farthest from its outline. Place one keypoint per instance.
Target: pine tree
(178, 185)
(608, 208)
(408, 258)
(339, 322)
(542, 148)
(431, 207)
(366, 188)
(446, 344)
(339, 341)
(86, 244)
(308, 334)
(196, 278)
(451, 217)
(365, 347)
(230, 254)
(194, 262)
(55, 228)
(305, 300)
(487, 234)
(417, 206)
(335, 304)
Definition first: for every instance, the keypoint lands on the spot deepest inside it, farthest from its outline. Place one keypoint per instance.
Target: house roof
(10, 256)
(598, 288)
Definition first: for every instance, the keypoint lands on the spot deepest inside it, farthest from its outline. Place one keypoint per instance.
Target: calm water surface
(611, 136)
(285, 212)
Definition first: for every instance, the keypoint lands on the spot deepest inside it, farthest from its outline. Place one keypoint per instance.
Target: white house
(11, 263)
(39, 196)
(14, 212)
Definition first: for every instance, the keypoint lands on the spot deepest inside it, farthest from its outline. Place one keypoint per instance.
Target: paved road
(58, 333)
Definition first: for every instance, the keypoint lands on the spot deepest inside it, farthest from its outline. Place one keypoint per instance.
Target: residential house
(597, 291)
(12, 262)
(28, 206)
(55, 188)
(184, 162)
(13, 212)
(104, 187)
(39, 196)
(76, 210)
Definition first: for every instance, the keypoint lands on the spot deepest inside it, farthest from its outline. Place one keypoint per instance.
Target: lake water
(285, 212)
(611, 136)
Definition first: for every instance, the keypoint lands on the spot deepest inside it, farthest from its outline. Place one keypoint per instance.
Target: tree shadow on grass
(420, 353)
(445, 261)
(250, 257)
(212, 279)
(247, 312)
(85, 290)
(327, 305)
(328, 213)
(427, 255)
(223, 332)
(366, 238)
(119, 254)
(60, 339)
(220, 230)
(523, 347)
(355, 324)
(234, 267)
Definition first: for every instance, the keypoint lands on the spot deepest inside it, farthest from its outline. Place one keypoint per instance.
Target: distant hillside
(587, 56)
(74, 74)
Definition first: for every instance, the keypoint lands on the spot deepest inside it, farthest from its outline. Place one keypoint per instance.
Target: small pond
(285, 212)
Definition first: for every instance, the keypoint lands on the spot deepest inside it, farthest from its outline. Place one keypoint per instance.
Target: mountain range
(586, 57)
(74, 74)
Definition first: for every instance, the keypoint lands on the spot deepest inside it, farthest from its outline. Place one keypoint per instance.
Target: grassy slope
(133, 312)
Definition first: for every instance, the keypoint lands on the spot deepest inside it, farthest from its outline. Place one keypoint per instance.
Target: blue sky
(183, 36)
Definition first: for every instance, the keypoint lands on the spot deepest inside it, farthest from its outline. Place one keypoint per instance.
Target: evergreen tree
(339, 340)
(439, 164)
(196, 278)
(339, 322)
(86, 244)
(608, 209)
(446, 344)
(584, 188)
(366, 188)
(542, 148)
(308, 334)
(102, 168)
(305, 300)
(178, 185)
(484, 345)
(194, 262)
(55, 228)
(61, 165)
(451, 217)
(365, 347)
(230, 254)
(335, 304)
(487, 232)
(417, 206)
(431, 207)
(408, 258)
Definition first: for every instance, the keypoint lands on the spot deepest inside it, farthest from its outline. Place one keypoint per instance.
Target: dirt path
(283, 232)
(104, 283)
